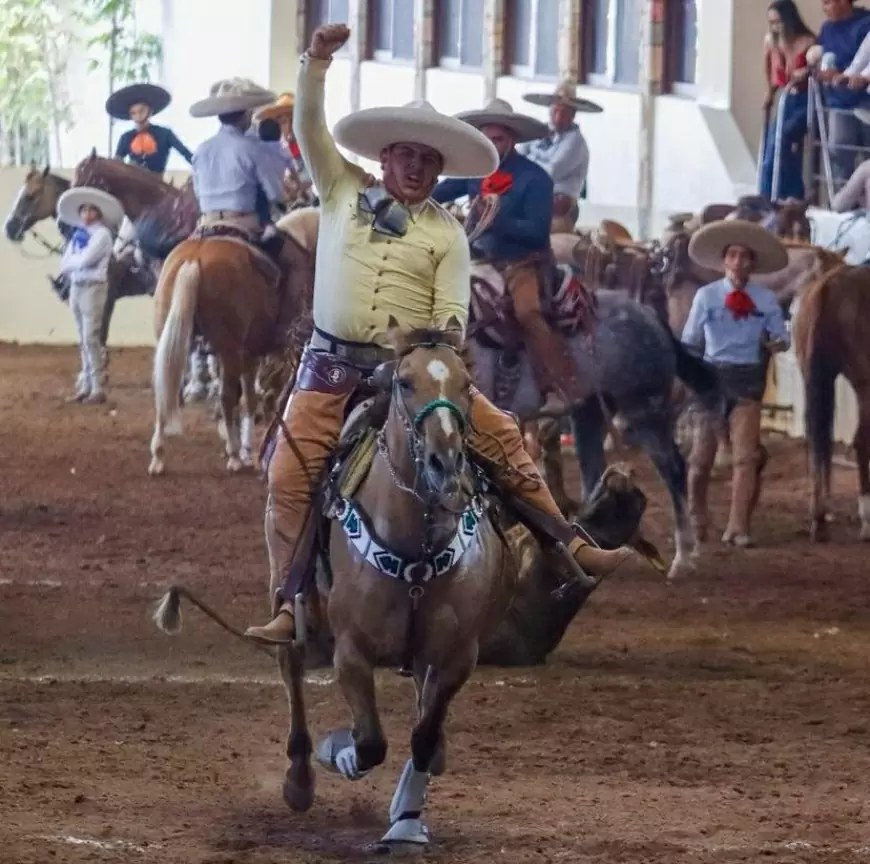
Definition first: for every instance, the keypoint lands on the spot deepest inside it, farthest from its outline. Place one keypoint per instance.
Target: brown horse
(830, 338)
(36, 200)
(417, 572)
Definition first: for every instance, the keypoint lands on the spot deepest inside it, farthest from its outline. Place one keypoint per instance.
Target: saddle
(567, 305)
(162, 227)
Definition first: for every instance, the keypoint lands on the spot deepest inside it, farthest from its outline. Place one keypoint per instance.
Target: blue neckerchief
(80, 239)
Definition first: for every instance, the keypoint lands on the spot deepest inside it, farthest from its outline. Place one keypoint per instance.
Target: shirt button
(380, 272)
(388, 242)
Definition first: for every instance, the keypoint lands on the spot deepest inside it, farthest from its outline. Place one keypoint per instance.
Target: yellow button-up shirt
(363, 277)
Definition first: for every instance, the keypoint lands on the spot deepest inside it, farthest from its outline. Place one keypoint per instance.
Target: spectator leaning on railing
(842, 36)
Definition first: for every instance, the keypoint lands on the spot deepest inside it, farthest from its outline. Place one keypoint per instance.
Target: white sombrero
(69, 204)
(497, 112)
(708, 244)
(565, 94)
(466, 152)
(231, 95)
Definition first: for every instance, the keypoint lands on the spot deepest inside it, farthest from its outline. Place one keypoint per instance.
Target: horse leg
(231, 373)
(299, 779)
(440, 686)
(354, 753)
(724, 454)
(249, 408)
(655, 436)
(861, 444)
(552, 464)
(587, 424)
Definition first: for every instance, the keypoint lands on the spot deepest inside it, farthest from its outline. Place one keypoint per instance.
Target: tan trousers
(548, 349)
(748, 460)
(314, 422)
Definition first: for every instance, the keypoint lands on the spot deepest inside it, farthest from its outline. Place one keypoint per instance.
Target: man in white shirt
(86, 261)
(564, 153)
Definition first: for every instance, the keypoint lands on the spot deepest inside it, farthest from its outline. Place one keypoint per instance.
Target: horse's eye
(405, 385)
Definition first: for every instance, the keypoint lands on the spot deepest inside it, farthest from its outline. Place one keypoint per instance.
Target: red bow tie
(739, 304)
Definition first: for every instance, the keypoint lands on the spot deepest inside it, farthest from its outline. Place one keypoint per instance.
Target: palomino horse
(830, 339)
(445, 594)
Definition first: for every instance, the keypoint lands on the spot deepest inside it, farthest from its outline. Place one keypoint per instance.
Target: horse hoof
(681, 567)
(157, 467)
(247, 458)
(234, 465)
(438, 764)
(337, 752)
(405, 837)
(298, 788)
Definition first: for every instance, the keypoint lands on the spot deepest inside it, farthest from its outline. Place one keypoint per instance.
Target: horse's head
(136, 188)
(36, 200)
(429, 410)
(789, 221)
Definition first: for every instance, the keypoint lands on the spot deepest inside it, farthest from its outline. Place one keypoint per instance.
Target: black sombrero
(119, 103)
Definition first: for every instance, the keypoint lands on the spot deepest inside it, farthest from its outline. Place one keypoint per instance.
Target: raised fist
(327, 39)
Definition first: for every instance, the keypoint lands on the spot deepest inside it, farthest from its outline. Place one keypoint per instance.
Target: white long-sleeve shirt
(564, 156)
(860, 64)
(90, 264)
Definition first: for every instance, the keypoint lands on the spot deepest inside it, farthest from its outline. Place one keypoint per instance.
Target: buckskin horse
(37, 201)
(830, 339)
(417, 571)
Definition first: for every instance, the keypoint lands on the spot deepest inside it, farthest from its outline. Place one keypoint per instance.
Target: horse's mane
(407, 341)
(96, 166)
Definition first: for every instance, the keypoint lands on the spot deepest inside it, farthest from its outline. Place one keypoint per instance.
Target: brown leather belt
(365, 355)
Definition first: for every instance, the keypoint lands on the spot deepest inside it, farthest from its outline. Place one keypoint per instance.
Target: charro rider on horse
(509, 228)
(564, 153)
(228, 171)
(146, 145)
(383, 251)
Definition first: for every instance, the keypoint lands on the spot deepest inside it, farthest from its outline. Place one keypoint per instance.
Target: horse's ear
(842, 253)
(453, 332)
(393, 331)
(47, 171)
(93, 154)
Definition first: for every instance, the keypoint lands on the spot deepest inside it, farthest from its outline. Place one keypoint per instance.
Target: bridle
(412, 423)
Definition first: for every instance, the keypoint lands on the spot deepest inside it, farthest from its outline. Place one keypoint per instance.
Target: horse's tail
(820, 371)
(173, 347)
(167, 615)
(697, 374)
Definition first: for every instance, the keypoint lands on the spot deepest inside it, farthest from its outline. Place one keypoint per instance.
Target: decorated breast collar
(363, 538)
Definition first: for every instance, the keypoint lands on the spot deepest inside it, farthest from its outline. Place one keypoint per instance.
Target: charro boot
(281, 630)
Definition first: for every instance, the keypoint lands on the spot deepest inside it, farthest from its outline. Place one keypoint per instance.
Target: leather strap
(320, 372)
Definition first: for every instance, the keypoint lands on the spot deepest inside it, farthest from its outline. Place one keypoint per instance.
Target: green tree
(34, 51)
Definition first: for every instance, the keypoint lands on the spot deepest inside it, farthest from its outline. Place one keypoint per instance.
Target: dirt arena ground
(721, 719)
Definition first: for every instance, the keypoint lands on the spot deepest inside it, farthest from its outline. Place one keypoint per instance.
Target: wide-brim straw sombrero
(466, 151)
(281, 107)
(232, 95)
(497, 112)
(69, 204)
(564, 94)
(118, 105)
(708, 244)
(615, 232)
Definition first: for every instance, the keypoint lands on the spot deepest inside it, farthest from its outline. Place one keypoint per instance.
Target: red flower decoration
(739, 304)
(293, 147)
(496, 183)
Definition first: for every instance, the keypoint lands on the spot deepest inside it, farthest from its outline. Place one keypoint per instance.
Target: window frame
(454, 64)
(381, 55)
(517, 70)
(311, 24)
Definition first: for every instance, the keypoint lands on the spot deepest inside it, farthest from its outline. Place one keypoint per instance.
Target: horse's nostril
(436, 464)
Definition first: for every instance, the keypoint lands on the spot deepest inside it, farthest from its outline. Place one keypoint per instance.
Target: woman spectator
(785, 66)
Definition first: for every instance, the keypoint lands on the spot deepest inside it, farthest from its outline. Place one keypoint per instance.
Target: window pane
(600, 9)
(686, 54)
(403, 29)
(448, 28)
(382, 25)
(520, 12)
(338, 11)
(472, 33)
(547, 60)
(628, 41)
